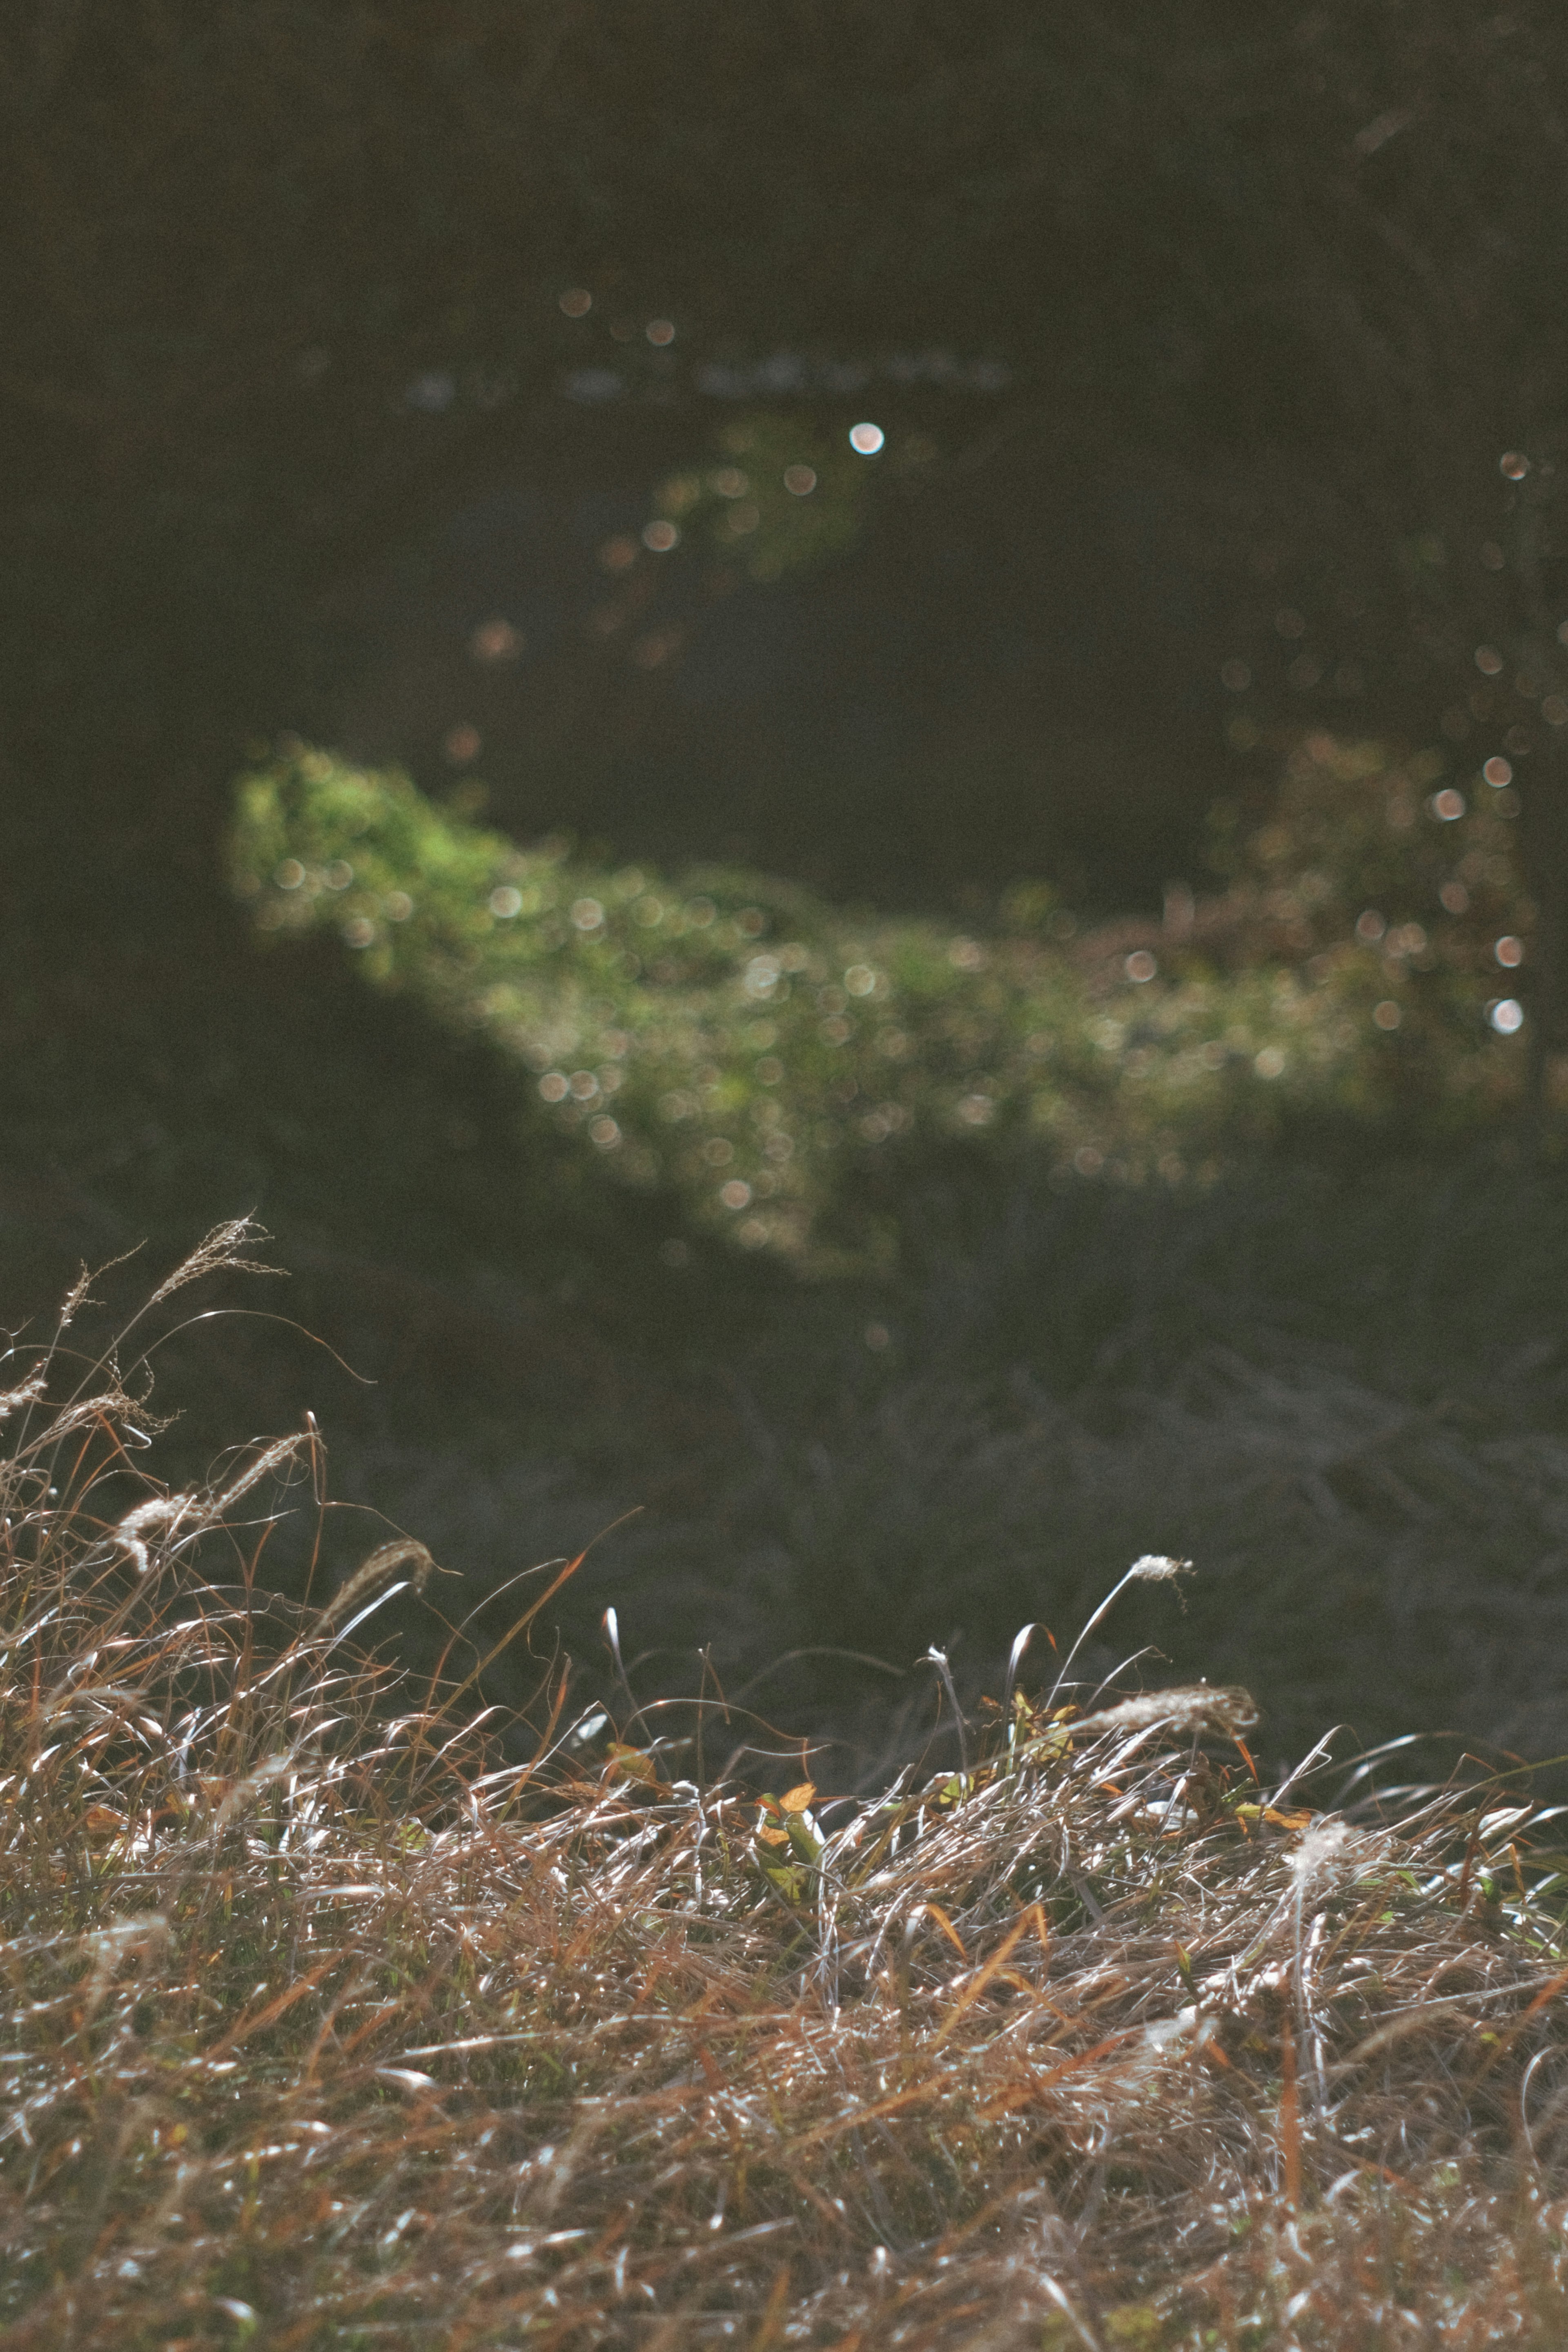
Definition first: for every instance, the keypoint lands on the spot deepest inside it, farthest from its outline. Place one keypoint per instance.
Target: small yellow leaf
(795, 1800)
(1287, 1817)
(770, 1834)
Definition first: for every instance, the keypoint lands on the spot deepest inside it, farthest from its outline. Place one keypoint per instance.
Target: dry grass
(339, 2017)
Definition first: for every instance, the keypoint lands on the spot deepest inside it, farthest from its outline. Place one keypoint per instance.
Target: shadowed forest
(827, 749)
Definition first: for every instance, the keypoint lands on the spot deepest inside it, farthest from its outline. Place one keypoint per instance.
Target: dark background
(1208, 337)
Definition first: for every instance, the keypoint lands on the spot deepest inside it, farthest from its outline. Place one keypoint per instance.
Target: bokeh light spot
(652, 651)
(660, 332)
(495, 640)
(866, 438)
(1387, 1015)
(506, 902)
(434, 392)
(1498, 772)
(1448, 805)
(462, 744)
(1141, 966)
(799, 482)
(1506, 1016)
(660, 537)
(576, 301)
(1509, 951)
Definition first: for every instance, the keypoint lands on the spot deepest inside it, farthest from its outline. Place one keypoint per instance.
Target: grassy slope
(1339, 1392)
(331, 2028)
(1336, 1388)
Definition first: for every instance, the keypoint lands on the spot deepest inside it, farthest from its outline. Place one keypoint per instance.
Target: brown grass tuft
(340, 2018)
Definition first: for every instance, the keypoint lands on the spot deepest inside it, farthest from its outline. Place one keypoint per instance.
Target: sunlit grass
(342, 2014)
(768, 1056)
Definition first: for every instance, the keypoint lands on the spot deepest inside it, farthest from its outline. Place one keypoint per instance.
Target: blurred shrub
(762, 1053)
(781, 495)
(1366, 850)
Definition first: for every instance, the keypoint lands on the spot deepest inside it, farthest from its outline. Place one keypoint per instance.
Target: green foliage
(783, 496)
(1355, 830)
(759, 1051)
(1391, 889)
